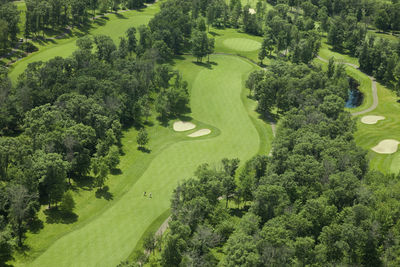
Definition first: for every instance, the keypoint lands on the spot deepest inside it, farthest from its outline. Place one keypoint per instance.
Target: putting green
(217, 99)
(242, 44)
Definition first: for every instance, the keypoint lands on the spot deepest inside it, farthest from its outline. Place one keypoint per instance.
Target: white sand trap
(181, 126)
(200, 133)
(388, 146)
(252, 11)
(371, 119)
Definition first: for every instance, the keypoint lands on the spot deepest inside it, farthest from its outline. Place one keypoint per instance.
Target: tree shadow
(54, 215)
(120, 16)
(183, 117)
(85, 182)
(214, 34)
(203, 64)
(144, 149)
(149, 123)
(104, 193)
(35, 225)
(116, 171)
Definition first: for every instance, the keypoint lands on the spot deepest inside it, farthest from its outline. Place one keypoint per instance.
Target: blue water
(355, 98)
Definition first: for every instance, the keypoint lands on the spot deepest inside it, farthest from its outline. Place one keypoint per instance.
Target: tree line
(62, 123)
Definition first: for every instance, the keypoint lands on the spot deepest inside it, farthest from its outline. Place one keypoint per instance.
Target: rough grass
(108, 231)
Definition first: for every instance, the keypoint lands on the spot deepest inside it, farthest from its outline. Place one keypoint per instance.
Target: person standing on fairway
(150, 195)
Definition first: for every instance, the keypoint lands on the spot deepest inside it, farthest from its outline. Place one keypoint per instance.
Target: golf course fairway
(218, 100)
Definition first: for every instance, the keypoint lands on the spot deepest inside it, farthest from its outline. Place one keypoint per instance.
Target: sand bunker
(181, 126)
(371, 119)
(252, 11)
(200, 133)
(388, 146)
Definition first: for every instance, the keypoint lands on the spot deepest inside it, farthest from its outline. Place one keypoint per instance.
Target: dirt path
(375, 99)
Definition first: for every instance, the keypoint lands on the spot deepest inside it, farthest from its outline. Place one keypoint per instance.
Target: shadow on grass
(85, 182)
(144, 150)
(207, 65)
(214, 34)
(116, 171)
(120, 16)
(42, 41)
(105, 193)
(184, 117)
(35, 225)
(54, 215)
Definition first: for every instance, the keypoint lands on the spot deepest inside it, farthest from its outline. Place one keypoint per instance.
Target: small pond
(355, 97)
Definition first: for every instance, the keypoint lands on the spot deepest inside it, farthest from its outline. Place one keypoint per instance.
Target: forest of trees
(63, 121)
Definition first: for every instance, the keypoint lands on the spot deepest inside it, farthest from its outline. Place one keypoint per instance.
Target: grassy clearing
(113, 25)
(115, 227)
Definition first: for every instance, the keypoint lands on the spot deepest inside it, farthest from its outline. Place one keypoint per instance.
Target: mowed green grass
(108, 231)
(242, 44)
(114, 25)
